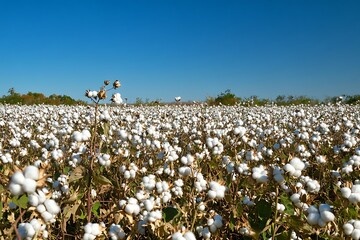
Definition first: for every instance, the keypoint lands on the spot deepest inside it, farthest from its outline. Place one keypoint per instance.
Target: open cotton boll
(327, 216)
(41, 208)
(31, 172)
(77, 136)
(47, 216)
(33, 200)
(51, 206)
(15, 189)
(345, 192)
(313, 218)
(348, 228)
(177, 236)
(189, 236)
(18, 178)
(29, 186)
(355, 234)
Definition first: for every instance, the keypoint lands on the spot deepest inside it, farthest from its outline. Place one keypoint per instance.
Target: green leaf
(95, 207)
(170, 213)
(102, 180)
(289, 208)
(20, 201)
(66, 170)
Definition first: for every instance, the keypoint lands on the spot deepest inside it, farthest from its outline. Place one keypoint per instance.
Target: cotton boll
(189, 236)
(218, 221)
(18, 178)
(213, 228)
(15, 189)
(33, 200)
(88, 228)
(29, 185)
(130, 208)
(51, 206)
(324, 207)
(77, 136)
(297, 163)
(47, 216)
(327, 216)
(355, 234)
(95, 230)
(354, 198)
(348, 228)
(345, 192)
(211, 194)
(321, 222)
(355, 188)
(177, 236)
(41, 208)
(313, 218)
(356, 224)
(289, 168)
(31, 172)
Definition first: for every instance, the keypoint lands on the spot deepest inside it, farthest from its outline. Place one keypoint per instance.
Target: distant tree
(227, 98)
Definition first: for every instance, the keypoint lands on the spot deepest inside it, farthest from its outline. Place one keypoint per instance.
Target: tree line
(30, 98)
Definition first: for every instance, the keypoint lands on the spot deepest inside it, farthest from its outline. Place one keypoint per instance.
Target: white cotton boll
(297, 163)
(148, 204)
(213, 228)
(185, 171)
(356, 234)
(15, 189)
(88, 236)
(324, 207)
(130, 208)
(35, 224)
(33, 200)
(31, 172)
(218, 221)
(297, 173)
(88, 228)
(18, 178)
(51, 206)
(177, 236)
(289, 168)
(348, 228)
(356, 224)
(189, 236)
(280, 207)
(327, 216)
(77, 136)
(345, 192)
(47, 216)
(30, 231)
(95, 230)
(211, 194)
(312, 209)
(354, 198)
(29, 186)
(355, 188)
(313, 218)
(321, 222)
(206, 234)
(41, 208)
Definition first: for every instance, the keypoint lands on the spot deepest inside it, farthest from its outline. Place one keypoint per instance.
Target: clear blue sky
(189, 48)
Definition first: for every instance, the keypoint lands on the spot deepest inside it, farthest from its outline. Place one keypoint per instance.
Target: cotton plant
(352, 229)
(320, 216)
(353, 193)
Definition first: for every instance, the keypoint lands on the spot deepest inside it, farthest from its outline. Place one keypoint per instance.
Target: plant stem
(92, 158)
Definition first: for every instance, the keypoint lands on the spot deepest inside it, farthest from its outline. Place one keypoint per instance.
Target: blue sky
(189, 48)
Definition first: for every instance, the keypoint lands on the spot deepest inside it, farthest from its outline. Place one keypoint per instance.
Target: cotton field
(179, 172)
